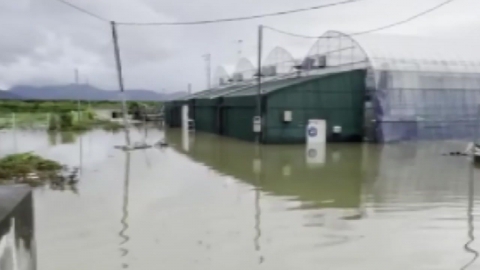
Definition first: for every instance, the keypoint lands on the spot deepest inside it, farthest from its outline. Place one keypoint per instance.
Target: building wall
(337, 98)
(237, 117)
(173, 114)
(205, 115)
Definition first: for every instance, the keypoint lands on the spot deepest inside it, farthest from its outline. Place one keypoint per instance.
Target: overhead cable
(98, 17)
(407, 20)
(376, 29)
(233, 19)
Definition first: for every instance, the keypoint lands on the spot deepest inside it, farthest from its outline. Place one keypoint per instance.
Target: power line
(290, 33)
(244, 18)
(234, 19)
(98, 17)
(416, 16)
(391, 25)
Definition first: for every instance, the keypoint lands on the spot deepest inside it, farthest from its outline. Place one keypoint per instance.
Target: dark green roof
(247, 89)
(209, 93)
(250, 89)
(269, 86)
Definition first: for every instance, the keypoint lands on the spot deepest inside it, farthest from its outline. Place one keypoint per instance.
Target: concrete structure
(17, 238)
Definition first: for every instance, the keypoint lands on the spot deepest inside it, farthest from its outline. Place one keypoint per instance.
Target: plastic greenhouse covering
(421, 89)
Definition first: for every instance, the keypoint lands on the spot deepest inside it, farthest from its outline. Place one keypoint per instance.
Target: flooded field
(216, 203)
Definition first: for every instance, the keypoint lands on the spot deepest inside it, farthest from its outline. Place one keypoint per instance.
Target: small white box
(337, 129)
(287, 116)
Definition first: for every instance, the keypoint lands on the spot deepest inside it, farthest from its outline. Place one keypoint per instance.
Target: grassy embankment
(58, 115)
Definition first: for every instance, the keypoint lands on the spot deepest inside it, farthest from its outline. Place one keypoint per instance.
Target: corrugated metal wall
(205, 114)
(237, 117)
(173, 113)
(337, 98)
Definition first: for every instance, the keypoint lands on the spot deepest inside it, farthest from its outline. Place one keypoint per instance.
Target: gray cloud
(46, 40)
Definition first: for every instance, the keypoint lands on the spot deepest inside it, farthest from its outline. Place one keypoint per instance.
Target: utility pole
(76, 76)
(78, 100)
(259, 80)
(240, 43)
(87, 83)
(189, 88)
(120, 80)
(208, 58)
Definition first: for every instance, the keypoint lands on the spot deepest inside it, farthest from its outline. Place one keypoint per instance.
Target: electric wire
(376, 29)
(200, 22)
(98, 17)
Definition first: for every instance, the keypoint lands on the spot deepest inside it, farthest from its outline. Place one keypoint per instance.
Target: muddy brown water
(216, 203)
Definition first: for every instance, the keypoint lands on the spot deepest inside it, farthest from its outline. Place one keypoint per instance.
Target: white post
(186, 139)
(185, 118)
(13, 121)
(14, 127)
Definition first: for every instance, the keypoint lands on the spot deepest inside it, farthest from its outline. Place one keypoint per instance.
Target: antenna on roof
(240, 44)
(207, 58)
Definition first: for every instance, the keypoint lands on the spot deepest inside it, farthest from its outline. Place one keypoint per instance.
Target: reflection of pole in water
(14, 127)
(258, 230)
(470, 219)
(258, 210)
(80, 167)
(120, 81)
(124, 221)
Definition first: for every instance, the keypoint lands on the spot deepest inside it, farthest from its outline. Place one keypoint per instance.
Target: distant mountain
(6, 95)
(85, 92)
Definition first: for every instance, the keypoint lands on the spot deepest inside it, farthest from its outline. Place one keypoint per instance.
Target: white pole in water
(259, 83)
(120, 80)
(78, 100)
(14, 127)
(13, 121)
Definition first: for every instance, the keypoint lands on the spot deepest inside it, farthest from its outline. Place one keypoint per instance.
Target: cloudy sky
(43, 41)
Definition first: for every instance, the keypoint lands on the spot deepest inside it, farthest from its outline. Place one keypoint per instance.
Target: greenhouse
(366, 87)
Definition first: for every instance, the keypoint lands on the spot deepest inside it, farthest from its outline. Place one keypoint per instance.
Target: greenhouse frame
(374, 87)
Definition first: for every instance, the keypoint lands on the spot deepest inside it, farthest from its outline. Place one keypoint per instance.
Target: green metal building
(336, 97)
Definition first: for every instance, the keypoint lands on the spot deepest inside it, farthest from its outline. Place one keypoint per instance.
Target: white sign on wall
(257, 124)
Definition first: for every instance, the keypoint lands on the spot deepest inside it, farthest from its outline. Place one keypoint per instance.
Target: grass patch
(28, 168)
(44, 106)
(74, 122)
(23, 120)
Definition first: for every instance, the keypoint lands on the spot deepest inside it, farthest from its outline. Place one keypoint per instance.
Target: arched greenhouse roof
(400, 53)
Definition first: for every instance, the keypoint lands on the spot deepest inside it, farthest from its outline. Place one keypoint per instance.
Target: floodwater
(217, 203)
